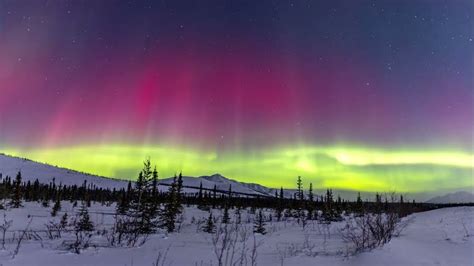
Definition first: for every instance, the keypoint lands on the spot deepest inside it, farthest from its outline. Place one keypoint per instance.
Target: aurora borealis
(366, 95)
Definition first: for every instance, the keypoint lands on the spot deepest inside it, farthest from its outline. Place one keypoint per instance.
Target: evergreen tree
(154, 204)
(309, 204)
(56, 206)
(279, 207)
(402, 210)
(201, 199)
(214, 196)
(299, 199)
(359, 205)
(63, 222)
(209, 227)
(339, 205)
(329, 212)
(299, 186)
(179, 190)
(259, 224)
(238, 215)
(225, 216)
(17, 193)
(141, 209)
(169, 213)
(310, 193)
(200, 192)
(123, 203)
(378, 203)
(84, 224)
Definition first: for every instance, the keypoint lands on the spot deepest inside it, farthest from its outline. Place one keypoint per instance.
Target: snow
(30, 170)
(456, 197)
(438, 237)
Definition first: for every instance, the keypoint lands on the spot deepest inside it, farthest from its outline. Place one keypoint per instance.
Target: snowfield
(439, 237)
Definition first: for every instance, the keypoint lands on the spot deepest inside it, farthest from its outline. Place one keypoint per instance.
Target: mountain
(456, 197)
(220, 182)
(45, 173)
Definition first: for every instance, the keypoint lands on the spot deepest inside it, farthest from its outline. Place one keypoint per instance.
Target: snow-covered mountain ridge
(31, 170)
(456, 197)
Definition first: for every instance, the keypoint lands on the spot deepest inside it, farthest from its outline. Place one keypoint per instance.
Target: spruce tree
(84, 224)
(402, 212)
(16, 193)
(214, 196)
(359, 208)
(310, 192)
(225, 216)
(142, 209)
(200, 192)
(123, 203)
(56, 206)
(64, 221)
(299, 186)
(279, 207)
(146, 212)
(329, 212)
(309, 204)
(179, 191)
(238, 215)
(299, 197)
(209, 227)
(259, 224)
(378, 203)
(168, 214)
(154, 204)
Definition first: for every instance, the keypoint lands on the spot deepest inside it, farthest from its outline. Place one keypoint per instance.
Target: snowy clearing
(438, 237)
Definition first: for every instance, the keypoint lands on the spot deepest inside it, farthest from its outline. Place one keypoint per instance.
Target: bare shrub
(308, 246)
(287, 250)
(371, 230)
(254, 251)
(125, 233)
(465, 230)
(161, 257)
(82, 241)
(53, 230)
(20, 239)
(4, 228)
(230, 245)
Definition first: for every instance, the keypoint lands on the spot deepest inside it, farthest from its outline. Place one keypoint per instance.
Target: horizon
(346, 194)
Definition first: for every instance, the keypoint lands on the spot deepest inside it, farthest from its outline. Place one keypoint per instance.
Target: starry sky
(364, 95)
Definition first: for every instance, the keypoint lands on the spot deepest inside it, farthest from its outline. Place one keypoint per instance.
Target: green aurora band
(339, 167)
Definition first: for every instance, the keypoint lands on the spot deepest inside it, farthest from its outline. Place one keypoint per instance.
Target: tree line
(141, 208)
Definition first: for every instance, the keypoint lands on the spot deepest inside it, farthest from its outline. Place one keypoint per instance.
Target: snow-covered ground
(439, 237)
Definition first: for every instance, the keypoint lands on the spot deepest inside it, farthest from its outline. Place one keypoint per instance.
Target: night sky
(366, 95)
